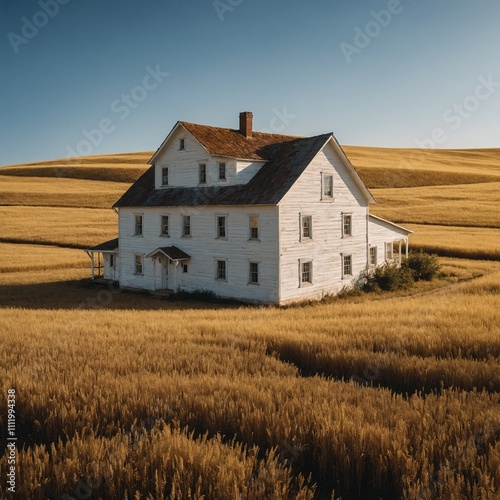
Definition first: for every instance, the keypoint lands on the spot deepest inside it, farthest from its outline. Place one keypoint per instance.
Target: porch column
(400, 258)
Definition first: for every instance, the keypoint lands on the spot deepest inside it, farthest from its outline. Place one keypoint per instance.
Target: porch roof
(173, 253)
(108, 246)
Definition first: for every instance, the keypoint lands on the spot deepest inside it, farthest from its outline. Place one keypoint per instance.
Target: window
(254, 273)
(138, 264)
(373, 256)
(203, 173)
(221, 273)
(164, 225)
(111, 260)
(327, 186)
(221, 226)
(186, 225)
(388, 251)
(305, 273)
(222, 171)
(184, 268)
(346, 225)
(138, 225)
(164, 176)
(347, 265)
(182, 144)
(306, 224)
(254, 227)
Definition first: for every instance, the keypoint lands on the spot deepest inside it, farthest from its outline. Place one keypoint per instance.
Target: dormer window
(222, 171)
(182, 144)
(164, 176)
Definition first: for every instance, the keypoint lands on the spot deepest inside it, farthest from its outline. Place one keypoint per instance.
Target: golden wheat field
(119, 395)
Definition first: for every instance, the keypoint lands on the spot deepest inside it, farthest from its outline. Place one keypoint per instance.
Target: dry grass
(59, 192)
(474, 205)
(245, 374)
(456, 161)
(465, 242)
(76, 227)
(39, 258)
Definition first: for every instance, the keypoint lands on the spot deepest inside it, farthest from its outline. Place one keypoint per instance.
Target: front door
(164, 273)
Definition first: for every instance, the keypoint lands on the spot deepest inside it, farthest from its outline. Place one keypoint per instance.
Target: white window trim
(342, 257)
(190, 235)
(216, 260)
(347, 214)
(387, 258)
(163, 167)
(250, 282)
(303, 284)
(201, 164)
(219, 163)
(301, 220)
(325, 197)
(374, 247)
(161, 225)
(141, 255)
(217, 237)
(250, 238)
(136, 234)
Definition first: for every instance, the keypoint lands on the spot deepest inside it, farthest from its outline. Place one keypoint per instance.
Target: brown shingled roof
(229, 142)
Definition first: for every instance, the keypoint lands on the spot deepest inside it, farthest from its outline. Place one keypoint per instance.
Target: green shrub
(388, 278)
(423, 266)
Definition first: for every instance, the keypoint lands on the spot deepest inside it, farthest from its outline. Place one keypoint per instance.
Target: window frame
(136, 264)
(389, 255)
(218, 227)
(344, 257)
(164, 234)
(111, 260)
(347, 216)
(303, 218)
(163, 176)
(218, 269)
(324, 196)
(184, 268)
(202, 172)
(221, 165)
(374, 257)
(182, 144)
(138, 226)
(186, 218)
(252, 273)
(251, 228)
(302, 263)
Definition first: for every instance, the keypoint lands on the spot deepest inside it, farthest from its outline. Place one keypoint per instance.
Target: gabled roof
(384, 222)
(229, 142)
(107, 246)
(173, 253)
(287, 162)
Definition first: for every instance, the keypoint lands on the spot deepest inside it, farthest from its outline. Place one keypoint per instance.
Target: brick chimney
(246, 118)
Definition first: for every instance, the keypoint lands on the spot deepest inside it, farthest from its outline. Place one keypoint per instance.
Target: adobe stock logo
(363, 36)
(40, 19)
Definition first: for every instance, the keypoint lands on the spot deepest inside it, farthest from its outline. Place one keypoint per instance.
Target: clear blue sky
(432, 69)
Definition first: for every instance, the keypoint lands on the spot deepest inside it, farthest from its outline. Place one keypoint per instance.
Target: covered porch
(168, 263)
(104, 259)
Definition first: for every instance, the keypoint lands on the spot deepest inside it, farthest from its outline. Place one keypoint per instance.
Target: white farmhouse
(259, 217)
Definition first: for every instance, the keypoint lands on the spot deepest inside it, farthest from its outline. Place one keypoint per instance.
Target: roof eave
(153, 159)
(357, 179)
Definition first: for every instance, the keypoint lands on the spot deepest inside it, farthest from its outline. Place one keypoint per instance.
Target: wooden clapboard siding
(184, 164)
(327, 244)
(204, 249)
